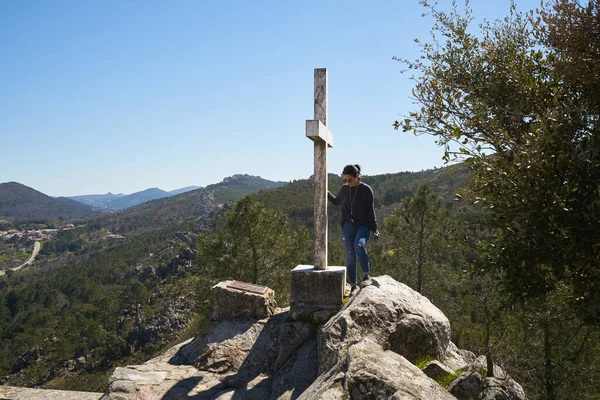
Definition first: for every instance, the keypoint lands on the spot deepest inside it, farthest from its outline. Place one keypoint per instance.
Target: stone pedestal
(229, 301)
(316, 289)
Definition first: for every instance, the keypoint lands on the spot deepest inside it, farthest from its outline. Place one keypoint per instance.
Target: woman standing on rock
(358, 220)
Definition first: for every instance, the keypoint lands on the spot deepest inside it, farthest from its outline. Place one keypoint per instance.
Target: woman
(358, 220)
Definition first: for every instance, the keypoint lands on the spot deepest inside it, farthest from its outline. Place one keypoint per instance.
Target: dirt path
(36, 250)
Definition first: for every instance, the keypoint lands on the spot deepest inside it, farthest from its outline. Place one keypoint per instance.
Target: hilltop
(373, 347)
(19, 203)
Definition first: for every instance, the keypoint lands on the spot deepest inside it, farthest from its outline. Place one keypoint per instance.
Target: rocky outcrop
(179, 250)
(369, 371)
(245, 347)
(456, 358)
(169, 315)
(33, 354)
(205, 205)
(364, 351)
(436, 370)
(471, 385)
(391, 315)
(164, 325)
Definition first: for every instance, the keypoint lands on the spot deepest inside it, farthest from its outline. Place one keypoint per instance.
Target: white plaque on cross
(317, 131)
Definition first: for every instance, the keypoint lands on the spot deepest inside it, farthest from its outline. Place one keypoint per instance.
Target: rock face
(166, 323)
(32, 354)
(471, 385)
(456, 358)
(362, 352)
(435, 370)
(369, 371)
(205, 205)
(182, 254)
(390, 314)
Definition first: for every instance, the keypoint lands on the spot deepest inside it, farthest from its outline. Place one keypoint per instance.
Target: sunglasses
(348, 180)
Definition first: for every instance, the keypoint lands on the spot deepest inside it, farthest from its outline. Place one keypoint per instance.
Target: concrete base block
(317, 289)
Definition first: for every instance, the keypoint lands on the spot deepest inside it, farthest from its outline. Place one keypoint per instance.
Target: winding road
(36, 250)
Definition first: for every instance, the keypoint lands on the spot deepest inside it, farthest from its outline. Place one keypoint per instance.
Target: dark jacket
(357, 204)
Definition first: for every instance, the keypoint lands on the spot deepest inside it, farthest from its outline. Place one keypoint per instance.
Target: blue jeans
(355, 236)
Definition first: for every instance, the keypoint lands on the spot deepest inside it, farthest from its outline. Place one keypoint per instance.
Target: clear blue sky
(120, 96)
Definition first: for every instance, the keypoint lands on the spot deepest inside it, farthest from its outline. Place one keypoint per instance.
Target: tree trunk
(490, 363)
(254, 264)
(420, 256)
(548, 371)
(488, 347)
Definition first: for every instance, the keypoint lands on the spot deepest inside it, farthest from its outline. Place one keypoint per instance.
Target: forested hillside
(21, 203)
(189, 207)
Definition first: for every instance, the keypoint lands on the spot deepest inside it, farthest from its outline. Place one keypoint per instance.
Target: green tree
(136, 296)
(500, 101)
(554, 350)
(253, 244)
(482, 298)
(572, 30)
(518, 102)
(418, 229)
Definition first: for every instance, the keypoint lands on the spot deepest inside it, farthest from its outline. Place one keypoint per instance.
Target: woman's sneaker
(353, 288)
(366, 281)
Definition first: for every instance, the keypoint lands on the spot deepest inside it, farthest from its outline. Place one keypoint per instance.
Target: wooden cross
(317, 131)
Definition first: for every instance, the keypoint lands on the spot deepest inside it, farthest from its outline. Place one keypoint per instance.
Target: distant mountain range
(115, 202)
(191, 206)
(153, 208)
(21, 203)
(183, 190)
(97, 200)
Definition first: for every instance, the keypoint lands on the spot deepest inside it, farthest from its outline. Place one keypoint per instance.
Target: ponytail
(352, 169)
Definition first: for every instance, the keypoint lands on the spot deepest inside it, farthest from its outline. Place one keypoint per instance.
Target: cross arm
(315, 131)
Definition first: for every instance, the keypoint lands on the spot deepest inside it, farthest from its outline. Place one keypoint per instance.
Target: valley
(111, 289)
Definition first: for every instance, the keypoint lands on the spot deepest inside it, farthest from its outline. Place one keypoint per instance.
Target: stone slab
(21, 393)
(137, 376)
(248, 287)
(316, 288)
(230, 302)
